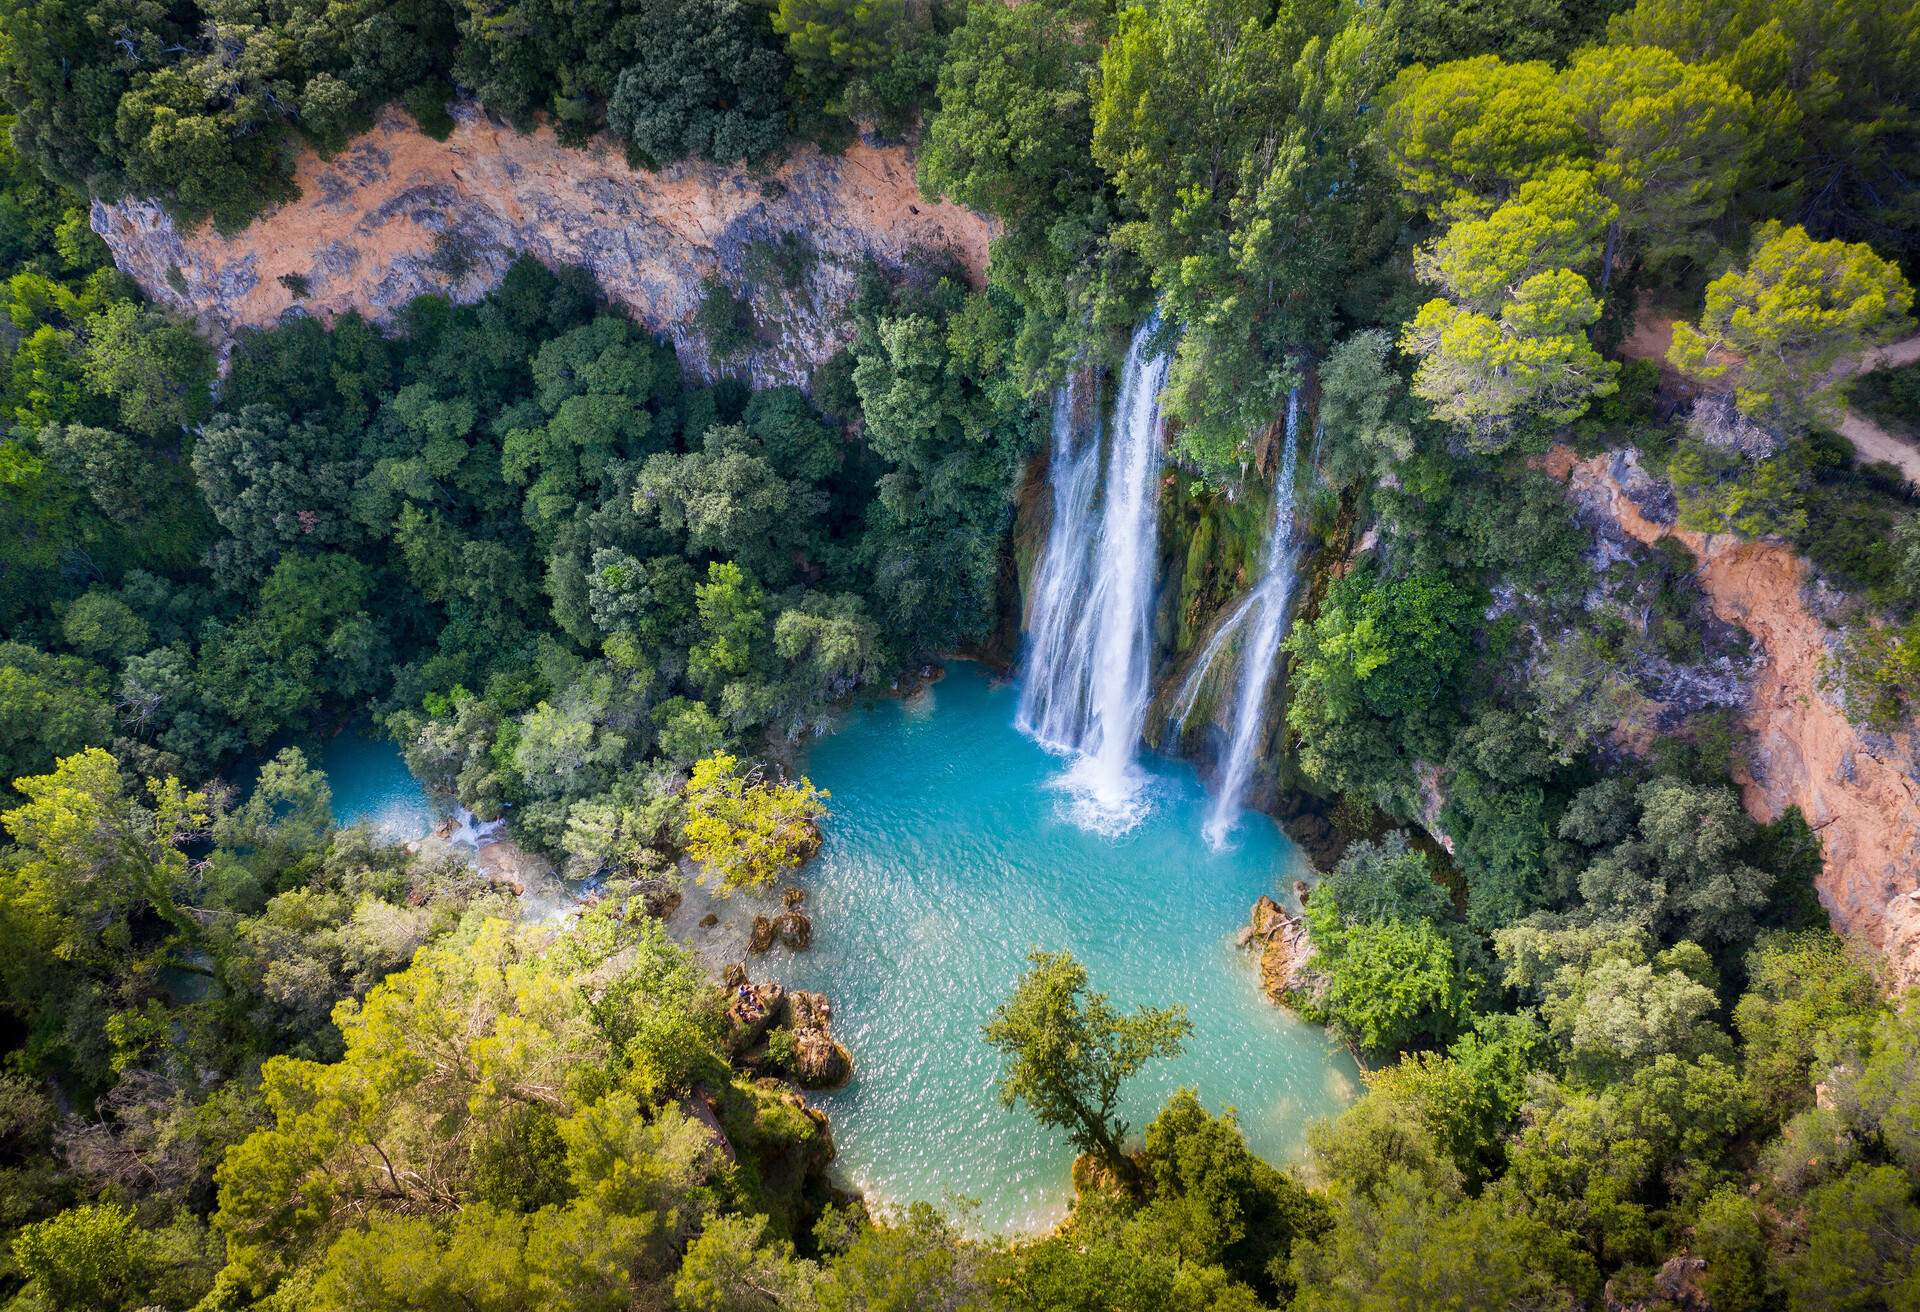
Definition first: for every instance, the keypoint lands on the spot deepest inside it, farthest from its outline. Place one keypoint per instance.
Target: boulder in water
(793, 929)
(792, 896)
(819, 1060)
(761, 936)
(1285, 950)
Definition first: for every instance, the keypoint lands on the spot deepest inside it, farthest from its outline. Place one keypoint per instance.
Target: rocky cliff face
(397, 214)
(1860, 791)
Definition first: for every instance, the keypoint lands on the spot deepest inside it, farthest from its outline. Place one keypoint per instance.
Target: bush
(723, 319)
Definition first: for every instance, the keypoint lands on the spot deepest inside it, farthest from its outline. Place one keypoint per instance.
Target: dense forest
(1616, 1058)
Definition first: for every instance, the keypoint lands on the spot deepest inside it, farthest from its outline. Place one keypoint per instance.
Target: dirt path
(1870, 440)
(1653, 333)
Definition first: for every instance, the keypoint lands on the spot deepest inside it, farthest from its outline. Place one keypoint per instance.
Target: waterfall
(1087, 678)
(1054, 694)
(1271, 598)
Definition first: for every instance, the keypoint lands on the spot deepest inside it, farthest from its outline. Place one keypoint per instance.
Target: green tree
(1404, 1249)
(746, 830)
(706, 82)
(487, 1021)
(1373, 678)
(1012, 132)
(834, 42)
(1490, 374)
(1364, 410)
(1389, 981)
(158, 372)
(1832, 89)
(1671, 142)
(1728, 1236)
(1214, 1202)
(94, 1258)
(1464, 136)
(90, 858)
(1720, 492)
(102, 625)
(1862, 1247)
(1068, 1053)
(1780, 326)
(1235, 134)
(50, 706)
(1554, 221)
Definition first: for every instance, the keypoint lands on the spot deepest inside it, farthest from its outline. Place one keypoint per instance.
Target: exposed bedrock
(397, 214)
(1860, 791)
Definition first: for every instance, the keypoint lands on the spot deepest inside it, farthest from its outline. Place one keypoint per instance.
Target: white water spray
(1272, 597)
(1088, 681)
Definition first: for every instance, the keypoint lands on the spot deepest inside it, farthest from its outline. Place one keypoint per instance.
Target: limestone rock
(1857, 789)
(793, 929)
(397, 214)
(754, 1009)
(1285, 949)
(793, 896)
(761, 936)
(700, 1106)
(820, 1060)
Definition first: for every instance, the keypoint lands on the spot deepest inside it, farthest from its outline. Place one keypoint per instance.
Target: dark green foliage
(723, 319)
(1435, 31)
(1375, 678)
(1892, 396)
(1218, 1203)
(1399, 967)
(50, 706)
(706, 82)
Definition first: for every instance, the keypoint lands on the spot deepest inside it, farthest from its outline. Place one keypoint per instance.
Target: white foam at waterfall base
(1273, 597)
(1088, 675)
(471, 831)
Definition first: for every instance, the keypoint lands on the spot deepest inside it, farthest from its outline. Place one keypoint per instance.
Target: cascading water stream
(1272, 597)
(1087, 680)
(1190, 690)
(1054, 694)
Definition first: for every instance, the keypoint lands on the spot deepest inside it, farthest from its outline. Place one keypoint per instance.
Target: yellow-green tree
(1779, 328)
(1068, 1052)
(1670, 141)
(90, 857)
(748, 830)
(1464, 136)
(1488, 374)
(499, 1038)
(1555, 221)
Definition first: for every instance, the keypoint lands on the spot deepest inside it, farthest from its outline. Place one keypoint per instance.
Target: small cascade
(1087, 678)
(1267, 616)
(471, 831)
(1203, 663)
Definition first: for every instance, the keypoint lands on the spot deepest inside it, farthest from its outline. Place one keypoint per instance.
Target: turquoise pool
(371, 784)
(948, 855)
